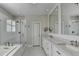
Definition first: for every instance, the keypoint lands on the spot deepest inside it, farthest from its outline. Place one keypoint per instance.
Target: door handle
(58, 52)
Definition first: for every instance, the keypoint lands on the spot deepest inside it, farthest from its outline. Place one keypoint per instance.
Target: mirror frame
(59, 16)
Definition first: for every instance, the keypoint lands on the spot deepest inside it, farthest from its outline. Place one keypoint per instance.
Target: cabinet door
(44, 44)
(56, 51)
(48, 47)
(53, 51)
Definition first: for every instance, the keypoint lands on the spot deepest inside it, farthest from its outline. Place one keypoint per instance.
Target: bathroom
(39, 29)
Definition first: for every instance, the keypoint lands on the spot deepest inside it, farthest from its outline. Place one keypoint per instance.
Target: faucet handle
(76, 43)
(72, 42)
(8, 43)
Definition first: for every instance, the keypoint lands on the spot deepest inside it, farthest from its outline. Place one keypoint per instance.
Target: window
(10, 26)
(13, 26)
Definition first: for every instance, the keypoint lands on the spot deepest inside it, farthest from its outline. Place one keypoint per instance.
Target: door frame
(35, 22)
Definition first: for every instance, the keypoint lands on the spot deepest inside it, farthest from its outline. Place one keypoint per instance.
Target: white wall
(29, 19)
(68, 10)
(4, 35)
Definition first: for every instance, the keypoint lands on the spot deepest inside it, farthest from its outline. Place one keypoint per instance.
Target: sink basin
(73, 48)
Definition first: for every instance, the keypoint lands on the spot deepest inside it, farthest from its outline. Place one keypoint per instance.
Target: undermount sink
(73, 48)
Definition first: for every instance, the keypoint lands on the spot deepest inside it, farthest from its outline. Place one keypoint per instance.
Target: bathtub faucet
(7, 43)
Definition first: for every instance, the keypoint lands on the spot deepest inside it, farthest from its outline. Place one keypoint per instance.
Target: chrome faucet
(7, 43)
(74, 43)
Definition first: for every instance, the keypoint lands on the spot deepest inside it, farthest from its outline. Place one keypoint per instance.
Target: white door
(36, 34)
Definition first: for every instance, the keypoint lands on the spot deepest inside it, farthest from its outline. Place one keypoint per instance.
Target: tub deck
(8, 50)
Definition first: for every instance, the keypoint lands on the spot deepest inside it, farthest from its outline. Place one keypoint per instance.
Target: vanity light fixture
(50, 29)
(45, 29)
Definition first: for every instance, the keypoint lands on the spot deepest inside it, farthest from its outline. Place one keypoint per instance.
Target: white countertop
(61, 44)
(66, 37)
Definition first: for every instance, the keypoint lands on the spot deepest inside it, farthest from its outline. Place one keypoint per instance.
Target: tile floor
(33, 51)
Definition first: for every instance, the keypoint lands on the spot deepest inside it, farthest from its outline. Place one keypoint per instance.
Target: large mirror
(70, 19)
(53, 21)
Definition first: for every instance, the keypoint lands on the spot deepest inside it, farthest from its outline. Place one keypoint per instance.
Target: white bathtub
(8, 50)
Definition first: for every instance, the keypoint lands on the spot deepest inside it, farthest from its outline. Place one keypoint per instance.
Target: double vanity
(63, 37)
(59, 45)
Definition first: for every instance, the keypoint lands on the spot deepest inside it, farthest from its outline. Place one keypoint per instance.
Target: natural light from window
(11, 26)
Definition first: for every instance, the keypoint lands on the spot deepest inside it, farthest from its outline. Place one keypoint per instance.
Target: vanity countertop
(61, 45)
(67, 51)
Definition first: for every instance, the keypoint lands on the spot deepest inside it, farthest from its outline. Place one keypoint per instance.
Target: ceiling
(24, 9)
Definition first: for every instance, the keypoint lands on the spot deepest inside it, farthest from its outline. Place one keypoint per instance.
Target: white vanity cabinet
(56, 51)
(52, 49)
(46, 46)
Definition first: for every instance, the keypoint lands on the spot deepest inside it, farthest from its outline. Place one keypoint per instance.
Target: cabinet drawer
(57, 52)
